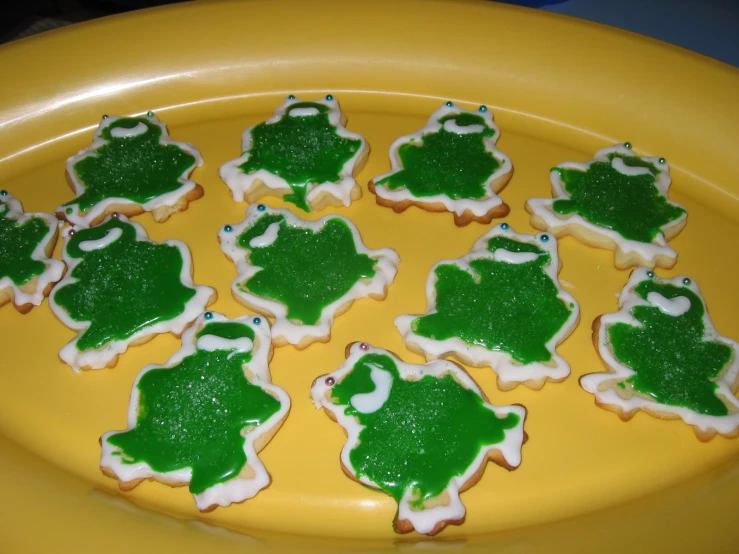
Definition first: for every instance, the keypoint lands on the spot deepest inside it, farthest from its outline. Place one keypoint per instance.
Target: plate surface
(560, 89)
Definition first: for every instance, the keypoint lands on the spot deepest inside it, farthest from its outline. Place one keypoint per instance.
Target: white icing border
(54, 268)
(648, 252)
(78, 217)
(99, 358)
(240, 182)
(593, 382)
(386, 267)
(426, 520)
(238, 488)
(509, 372)
(477, 207)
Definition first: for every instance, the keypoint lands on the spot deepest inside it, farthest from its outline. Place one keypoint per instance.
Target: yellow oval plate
(560, 89)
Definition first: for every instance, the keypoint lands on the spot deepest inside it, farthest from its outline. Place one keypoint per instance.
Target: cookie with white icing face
(500, 306)
(664, 357)
(201, 418)
(303, 273)
(419, 433)
(27, 241)
(122, 289)
(132, 166)
(302, 154)
(451, 165)
(617, 201)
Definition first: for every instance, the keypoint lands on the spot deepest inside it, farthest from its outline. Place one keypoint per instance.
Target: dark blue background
(710, 27)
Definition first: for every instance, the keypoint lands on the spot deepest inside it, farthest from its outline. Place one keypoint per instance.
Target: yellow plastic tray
(560, 89)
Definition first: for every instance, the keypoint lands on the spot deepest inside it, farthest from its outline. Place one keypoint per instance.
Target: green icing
(303, 269)
(630, 205)
(506, 307)
(194, 414)
(445, 163)
(228, 330)
(123, 287)
(426, 433)
(304, 151)
(513, 245)
(674, 363)
(17, 243)
(138, 168)
(466, 119)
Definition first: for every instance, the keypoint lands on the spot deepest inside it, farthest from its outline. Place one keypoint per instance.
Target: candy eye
(650, 274)
(208, 316)
(544, 238)
(257, 321)
(505, 226)
(686, 282)
(330, 381)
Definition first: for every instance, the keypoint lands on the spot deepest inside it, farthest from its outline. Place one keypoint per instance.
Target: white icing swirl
(109, 238)
(124, 132)
(211, 343)
(266, 238)
(369, 402)
(619, 165)
(674, 307)
(302, 112)
(503, 255)
(451, 126)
